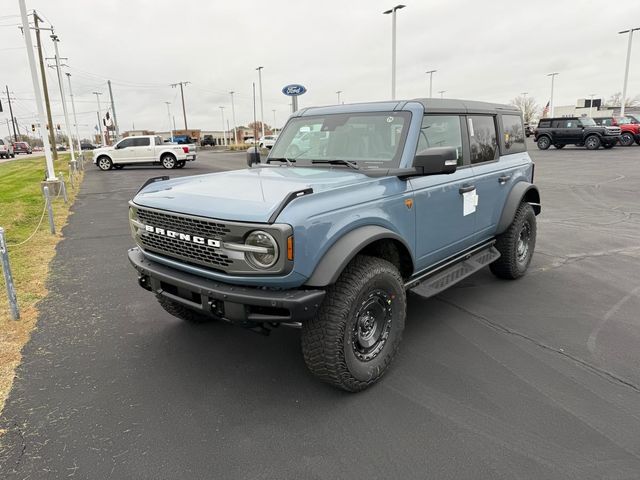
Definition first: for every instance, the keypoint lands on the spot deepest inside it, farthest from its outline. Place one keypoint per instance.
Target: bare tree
(615, 100)
(527, 106)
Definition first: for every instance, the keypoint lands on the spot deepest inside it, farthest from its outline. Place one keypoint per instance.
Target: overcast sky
(483, 50)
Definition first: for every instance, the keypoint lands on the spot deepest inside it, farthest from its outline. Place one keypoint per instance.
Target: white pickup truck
(148, 149)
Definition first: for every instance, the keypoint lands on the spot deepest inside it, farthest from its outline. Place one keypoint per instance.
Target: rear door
(443, 228)
(142, 150)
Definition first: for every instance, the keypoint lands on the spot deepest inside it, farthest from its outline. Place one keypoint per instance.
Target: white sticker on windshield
(390, 119)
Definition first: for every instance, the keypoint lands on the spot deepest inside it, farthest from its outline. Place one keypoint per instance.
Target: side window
(544, 124)
(558, 124)
(141, 142)
(572, 124)
(127, 142)
(441, 131)
(513, 134)
(483, 138)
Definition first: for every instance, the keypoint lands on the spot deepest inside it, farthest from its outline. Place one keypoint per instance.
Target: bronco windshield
(368, 139)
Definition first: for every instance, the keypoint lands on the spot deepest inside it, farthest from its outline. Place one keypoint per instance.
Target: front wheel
(626, 139)
(168, 161)
(105, 163)
(592, 142)
(544, 143)
(516, 245)
(352, 340)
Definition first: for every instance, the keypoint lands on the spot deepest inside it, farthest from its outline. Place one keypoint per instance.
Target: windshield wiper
(282, 159)
(339, 162)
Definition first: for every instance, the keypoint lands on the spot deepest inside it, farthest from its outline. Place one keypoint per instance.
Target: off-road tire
(543, 142)
(168, 161)
(592, 142)
(104, 163)
(626, 139)
(181, 312)
(512, 264)
(328, 339)
(559, 146)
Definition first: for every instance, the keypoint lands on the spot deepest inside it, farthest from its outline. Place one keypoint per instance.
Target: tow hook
(143, 281)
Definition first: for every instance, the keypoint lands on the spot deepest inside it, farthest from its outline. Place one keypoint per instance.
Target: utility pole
(259, 69)
(393, 11)
(233, 118)
(169, 114)
(75, 120)
(553, 77)
(15, 122)
(15, 137)
(184, 111)
(626, 68)
(274, 122)
(67, 125)
(45, 91)
(224, 133)
(430, 73)
(113, 109)
(338, 93)
(97, 94)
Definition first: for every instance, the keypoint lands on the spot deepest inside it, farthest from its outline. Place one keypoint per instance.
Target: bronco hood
(250, 195)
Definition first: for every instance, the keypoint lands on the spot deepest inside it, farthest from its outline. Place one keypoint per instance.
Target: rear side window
(483, 138)
(544, 124)
(141, 142)
(441, 131)
(513, 134)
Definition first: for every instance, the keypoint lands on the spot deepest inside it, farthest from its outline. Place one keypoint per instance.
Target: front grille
(187, 251)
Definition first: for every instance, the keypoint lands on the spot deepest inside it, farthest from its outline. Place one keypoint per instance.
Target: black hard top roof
(464, 106)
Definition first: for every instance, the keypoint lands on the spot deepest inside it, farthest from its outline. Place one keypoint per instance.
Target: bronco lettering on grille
(211, 242)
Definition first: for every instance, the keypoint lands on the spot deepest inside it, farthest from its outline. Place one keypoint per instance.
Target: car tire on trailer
(168, 161)
(353, 338)
(104, 163)
(516, 245)
(543, 142)
(182, 312)
(626, 139)
(592, 142)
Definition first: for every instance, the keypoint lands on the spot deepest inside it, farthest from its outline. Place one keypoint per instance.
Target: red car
(629, 128)
(21, 147)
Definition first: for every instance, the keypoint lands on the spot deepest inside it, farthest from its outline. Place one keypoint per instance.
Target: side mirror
(436, 160)
(253, 156)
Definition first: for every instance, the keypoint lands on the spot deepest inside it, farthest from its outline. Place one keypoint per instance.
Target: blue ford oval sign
(294, 90)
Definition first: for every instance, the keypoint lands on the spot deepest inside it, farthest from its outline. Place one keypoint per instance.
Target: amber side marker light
(290, 248)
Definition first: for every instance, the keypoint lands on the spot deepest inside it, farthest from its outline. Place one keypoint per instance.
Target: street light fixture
(259, 69)
(224, 132)
(524, 104)
(393, 11)
(553, 77)
(626, 68)
(430, 73)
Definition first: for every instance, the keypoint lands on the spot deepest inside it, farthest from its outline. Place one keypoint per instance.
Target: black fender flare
(521, 191)
(345, 249)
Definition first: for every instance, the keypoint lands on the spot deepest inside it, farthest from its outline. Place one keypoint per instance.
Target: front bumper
(238, 304)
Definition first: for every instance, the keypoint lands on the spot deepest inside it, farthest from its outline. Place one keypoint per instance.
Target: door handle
(467, 188)
(504, 179)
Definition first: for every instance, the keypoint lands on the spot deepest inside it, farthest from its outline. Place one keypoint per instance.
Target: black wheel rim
(591, 143)
(372, 325)
(522, 246)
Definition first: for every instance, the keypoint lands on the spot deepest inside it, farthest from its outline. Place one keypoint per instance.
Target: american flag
(545, 111)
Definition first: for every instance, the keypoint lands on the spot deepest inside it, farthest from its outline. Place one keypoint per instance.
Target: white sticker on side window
(471, 134)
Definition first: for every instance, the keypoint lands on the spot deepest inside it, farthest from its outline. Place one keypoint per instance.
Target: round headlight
(266, 252)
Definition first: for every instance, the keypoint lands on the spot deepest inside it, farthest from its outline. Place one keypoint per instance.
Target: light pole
(97, 94)
(626, 68)
(224, 133)
(553, 77)
(184, 110)
(524, 104)
(338, 93)
(75, 120)
(67, 125)
(259, 69)
(430, 73)
(441, 92)
(393, 47)
(169, 116)
(233, 117)
(591, 103)
(274, 121)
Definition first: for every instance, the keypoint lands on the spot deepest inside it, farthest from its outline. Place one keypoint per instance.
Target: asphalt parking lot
(533, 379)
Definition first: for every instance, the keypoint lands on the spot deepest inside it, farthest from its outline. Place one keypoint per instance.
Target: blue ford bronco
(354, 205)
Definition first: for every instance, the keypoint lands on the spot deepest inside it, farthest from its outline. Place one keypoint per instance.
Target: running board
(441, 279)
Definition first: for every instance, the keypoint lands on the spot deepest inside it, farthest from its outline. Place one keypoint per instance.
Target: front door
(123, 151)
(443, 226)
